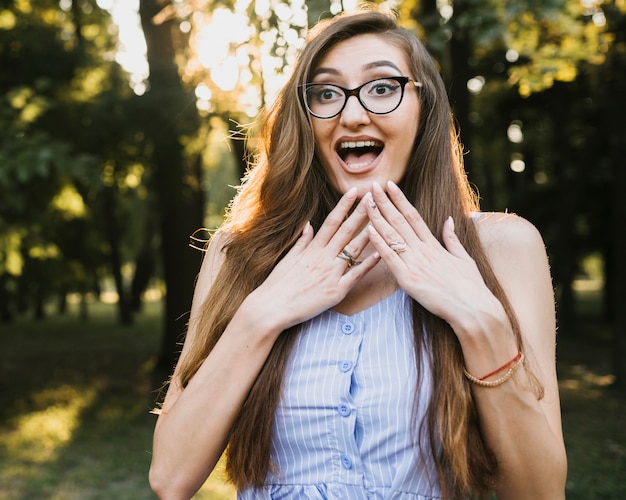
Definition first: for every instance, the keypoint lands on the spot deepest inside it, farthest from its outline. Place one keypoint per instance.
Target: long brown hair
(286, 187)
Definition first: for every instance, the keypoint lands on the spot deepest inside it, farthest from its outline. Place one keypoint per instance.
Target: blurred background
(122, 127)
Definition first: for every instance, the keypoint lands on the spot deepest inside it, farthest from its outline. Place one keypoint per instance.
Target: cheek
(407, 137)
(403, 150)
(321, 134)
(324, 150)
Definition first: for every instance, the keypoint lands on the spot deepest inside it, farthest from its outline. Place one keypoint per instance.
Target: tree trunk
(571, 185)
(618, 267)
(615, 96)
(115, 255)
(171, 113)
(145, 266)
(454, 57)
(461, 46)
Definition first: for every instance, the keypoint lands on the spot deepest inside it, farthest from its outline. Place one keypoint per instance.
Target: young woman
(359, 330)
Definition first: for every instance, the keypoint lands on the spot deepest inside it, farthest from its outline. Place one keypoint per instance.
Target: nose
(354, 114)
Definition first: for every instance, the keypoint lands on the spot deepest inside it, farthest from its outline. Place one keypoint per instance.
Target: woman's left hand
(443, 279)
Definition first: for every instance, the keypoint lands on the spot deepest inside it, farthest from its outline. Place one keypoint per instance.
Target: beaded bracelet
(508, 364)
(513, 365)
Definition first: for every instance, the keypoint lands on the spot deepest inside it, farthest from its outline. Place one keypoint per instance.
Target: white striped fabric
(342, 430)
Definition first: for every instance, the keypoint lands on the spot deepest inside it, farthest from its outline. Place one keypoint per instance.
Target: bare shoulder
(497, 229)
(518, 257)
(510, 239)
(214, 252)
(211, 264)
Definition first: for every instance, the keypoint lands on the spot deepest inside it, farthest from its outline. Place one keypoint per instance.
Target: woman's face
(358, 147)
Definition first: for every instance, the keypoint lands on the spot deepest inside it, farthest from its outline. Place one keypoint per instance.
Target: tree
(613, 101)
(185, 87)
(170, 117)
(39, 61)
(67, 155)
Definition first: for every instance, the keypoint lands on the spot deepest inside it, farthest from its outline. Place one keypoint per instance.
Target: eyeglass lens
(380, 96)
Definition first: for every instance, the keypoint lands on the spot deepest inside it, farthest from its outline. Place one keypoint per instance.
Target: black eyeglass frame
(402, 82)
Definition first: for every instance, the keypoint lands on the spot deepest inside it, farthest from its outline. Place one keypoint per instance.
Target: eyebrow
(368, 66)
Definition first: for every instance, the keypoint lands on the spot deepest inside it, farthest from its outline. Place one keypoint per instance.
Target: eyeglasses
(380, 96)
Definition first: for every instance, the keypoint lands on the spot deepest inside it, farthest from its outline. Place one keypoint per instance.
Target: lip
(360, 168)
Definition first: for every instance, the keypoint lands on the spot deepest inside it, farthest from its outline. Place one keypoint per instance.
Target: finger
(358, 243)
(345, 233)
(304, 239)
(408, 211)
(451, 240)
(382, 247)
(384, 227)
(355, 273)
(352, 251)
(336, 217)
(306, 236)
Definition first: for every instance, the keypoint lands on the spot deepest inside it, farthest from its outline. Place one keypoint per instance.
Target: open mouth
(359, 153)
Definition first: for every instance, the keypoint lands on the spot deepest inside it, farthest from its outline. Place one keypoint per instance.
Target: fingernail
(351, 191)
(392, 185)
(375, 185)
(451, 222)
(307, 228)
(370, 200)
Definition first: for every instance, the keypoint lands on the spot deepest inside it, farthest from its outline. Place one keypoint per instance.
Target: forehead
(363, 54)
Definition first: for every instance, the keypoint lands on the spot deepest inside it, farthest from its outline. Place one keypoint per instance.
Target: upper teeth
(358, 144)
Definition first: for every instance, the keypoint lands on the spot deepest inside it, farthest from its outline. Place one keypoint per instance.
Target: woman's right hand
(312, 278)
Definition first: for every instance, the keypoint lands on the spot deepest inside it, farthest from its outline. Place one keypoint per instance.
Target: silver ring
(398, 246)
(345, 255)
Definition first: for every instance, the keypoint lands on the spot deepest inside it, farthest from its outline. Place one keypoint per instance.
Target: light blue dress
(342, 429)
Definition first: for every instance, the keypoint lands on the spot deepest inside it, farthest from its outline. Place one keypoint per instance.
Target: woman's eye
(383, 88)
(323, 94)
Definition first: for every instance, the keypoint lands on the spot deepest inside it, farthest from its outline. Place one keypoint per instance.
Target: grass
(593, 409)
(76, 396)
(75, 421)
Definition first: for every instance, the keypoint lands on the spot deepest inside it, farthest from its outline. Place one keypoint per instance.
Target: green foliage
(63, 105)
(239, 37)
(317, 9)
(552, 40)
(539, 42)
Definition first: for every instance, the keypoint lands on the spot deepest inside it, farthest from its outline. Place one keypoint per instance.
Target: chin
(362, 187)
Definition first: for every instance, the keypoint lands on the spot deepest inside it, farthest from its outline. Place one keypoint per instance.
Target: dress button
(345, 366)
(346, 462)
(347, 328)
(344, 410)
